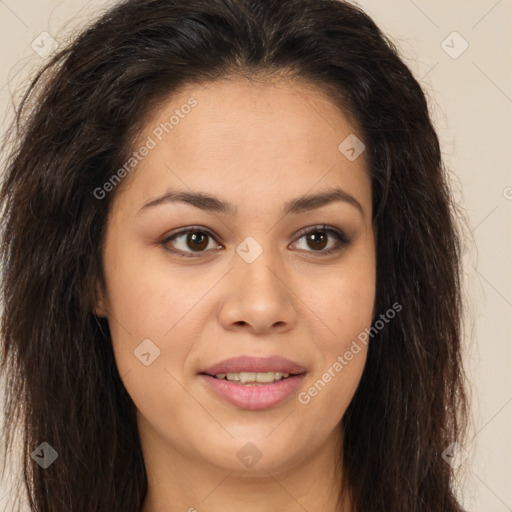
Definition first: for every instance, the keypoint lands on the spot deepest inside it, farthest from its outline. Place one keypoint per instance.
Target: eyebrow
(214, 204)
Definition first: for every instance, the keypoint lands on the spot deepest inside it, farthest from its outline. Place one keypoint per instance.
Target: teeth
(244, 377)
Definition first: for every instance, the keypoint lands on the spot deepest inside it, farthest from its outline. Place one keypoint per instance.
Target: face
(254, 273)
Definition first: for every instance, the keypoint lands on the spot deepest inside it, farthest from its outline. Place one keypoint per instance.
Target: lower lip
(257, 397)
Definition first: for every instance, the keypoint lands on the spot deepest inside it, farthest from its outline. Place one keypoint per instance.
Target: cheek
(340, 337)
(344, 303)
(143, 298)
(138, 309)
(153, 310)
(330, 389)
(344, 311)
(145, 309)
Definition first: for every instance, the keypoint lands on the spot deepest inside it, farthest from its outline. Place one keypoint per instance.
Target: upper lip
(255, 365)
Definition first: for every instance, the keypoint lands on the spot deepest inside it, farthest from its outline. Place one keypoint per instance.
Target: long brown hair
(75, 126)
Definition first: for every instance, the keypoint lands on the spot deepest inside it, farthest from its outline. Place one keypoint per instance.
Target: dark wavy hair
(77, 122)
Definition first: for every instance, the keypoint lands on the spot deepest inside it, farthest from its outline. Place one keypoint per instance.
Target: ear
(100, 302)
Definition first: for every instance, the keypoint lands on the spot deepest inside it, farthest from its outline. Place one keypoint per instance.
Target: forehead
(235, 110)
(239, 137)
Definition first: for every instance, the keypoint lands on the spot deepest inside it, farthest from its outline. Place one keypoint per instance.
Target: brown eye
(197, 240)
(193, 240)
(317, 239)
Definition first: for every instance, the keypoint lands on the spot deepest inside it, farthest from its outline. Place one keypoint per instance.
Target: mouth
(253, 383)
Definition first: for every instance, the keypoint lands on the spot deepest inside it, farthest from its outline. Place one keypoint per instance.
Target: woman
(231, 268)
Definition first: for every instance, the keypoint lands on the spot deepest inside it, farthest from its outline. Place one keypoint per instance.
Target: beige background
(471, 99)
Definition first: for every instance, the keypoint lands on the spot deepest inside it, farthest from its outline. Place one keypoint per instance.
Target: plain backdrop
(460, 51)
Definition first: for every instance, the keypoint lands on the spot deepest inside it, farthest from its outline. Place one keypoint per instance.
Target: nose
(258, 296)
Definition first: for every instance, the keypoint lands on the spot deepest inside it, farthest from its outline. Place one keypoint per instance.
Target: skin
(256, 145)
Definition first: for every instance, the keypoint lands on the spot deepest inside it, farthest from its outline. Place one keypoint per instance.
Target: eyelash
(342, 240)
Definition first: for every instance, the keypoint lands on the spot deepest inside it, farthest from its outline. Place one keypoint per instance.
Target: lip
(255, 397)
(255, 364)
(258, 396)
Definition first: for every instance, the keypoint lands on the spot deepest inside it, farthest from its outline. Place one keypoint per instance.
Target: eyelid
(185, 231)
(320, 227)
